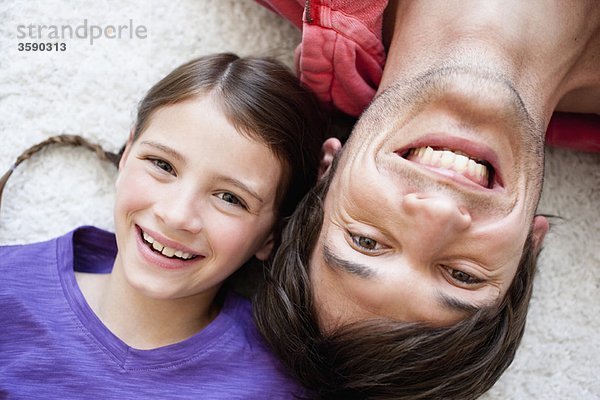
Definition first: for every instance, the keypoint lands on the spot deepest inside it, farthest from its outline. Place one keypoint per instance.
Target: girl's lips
(157, 259)
(167, 242)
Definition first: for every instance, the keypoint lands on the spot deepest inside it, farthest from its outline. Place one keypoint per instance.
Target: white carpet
(92, 90)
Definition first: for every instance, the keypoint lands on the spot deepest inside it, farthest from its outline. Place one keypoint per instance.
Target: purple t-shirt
(52, 345)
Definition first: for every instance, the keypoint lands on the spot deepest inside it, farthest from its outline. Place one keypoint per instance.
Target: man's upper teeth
(165, 250)
(451, 160)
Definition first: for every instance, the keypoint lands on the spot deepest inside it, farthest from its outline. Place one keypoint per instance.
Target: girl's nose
(180, 211)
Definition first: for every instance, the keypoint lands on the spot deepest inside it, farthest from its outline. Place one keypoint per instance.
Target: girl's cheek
(228, 229)
(133, 187)
(234, 235)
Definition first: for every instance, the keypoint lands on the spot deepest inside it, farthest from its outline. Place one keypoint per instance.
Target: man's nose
(435, 216)
(180, 209)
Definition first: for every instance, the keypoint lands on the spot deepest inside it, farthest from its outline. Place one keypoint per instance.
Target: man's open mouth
(166, 251)
(475, 170)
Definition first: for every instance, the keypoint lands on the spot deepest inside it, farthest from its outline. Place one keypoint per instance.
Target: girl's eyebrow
(175, 154)
(166, 149)
(240, 185)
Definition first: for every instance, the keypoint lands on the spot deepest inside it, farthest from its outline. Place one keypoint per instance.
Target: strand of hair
(68, 140)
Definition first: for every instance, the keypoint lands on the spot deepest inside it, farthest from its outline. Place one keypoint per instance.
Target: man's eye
(165, 166)
(463, 277)
(231, 199)
(365, 242)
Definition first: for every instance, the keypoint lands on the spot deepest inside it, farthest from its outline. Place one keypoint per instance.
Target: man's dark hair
(383, 359)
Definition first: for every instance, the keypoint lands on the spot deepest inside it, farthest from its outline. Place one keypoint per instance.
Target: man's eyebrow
(364, 271)
(456, 304)
(352, 267)
(166, 149)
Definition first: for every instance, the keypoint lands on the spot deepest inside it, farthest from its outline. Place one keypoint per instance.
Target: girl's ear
(264, 252)
(329, 149)
(126, 151)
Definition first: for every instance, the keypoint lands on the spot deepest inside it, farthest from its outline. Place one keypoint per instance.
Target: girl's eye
(231, 199)
(462, 277)
(165, 166)
(365, 243)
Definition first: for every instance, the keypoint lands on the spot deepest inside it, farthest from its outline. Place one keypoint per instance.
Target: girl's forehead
(198, 132)
(205, 117)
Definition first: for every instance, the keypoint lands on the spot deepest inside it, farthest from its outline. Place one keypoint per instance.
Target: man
(427, 214)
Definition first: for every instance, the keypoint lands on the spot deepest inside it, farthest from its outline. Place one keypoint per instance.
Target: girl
(222, 150)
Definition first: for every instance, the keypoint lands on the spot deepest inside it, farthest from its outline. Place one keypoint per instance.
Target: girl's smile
(166, 246)
(164, 256)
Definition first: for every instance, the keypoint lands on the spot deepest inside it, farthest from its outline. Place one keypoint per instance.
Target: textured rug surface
(92, 88)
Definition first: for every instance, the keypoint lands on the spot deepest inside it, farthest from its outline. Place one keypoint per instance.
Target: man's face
(431, 203)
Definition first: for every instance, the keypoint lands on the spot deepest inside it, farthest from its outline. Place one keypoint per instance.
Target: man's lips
(442, 160)
(457, 158)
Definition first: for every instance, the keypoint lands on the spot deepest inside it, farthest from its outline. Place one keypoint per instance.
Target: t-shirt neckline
(85, 241)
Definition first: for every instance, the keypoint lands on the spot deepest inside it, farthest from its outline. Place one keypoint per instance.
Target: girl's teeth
(165, 250)
(148, 238)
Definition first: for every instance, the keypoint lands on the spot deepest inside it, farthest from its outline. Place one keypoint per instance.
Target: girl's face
(195, 200)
